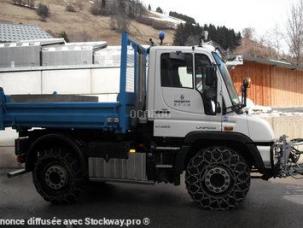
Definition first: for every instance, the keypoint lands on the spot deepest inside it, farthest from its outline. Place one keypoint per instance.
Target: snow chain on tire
(217, 178)
(58, 176)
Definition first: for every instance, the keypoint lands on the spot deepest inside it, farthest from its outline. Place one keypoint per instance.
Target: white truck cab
(190, 89)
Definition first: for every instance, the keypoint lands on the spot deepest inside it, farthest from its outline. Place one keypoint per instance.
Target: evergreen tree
(159, 10)
(64, 36)
(182, 17)
(189, 34)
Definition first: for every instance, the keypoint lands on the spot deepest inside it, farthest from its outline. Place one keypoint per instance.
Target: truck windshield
(227, 79)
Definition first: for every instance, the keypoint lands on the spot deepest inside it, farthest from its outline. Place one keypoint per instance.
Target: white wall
(21, 82)
(98, 81)
(7, 148)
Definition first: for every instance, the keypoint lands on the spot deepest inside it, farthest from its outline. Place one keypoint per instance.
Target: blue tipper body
(113, 116)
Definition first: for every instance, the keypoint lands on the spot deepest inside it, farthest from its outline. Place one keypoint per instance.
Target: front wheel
(217, 178)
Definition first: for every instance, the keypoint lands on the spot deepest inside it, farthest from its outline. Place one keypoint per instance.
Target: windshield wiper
(239, 108)
(236, 108)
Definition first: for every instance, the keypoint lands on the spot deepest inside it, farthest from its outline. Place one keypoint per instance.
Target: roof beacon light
(161, 37)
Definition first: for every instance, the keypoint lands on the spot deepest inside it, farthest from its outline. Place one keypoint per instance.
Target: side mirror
(245, 85)
(211, 76)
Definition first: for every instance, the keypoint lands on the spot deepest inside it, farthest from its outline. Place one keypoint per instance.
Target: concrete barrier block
(8, 159)
(7, 149)
(291, 126)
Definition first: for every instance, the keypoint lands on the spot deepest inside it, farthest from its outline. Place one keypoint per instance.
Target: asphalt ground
(277, 203)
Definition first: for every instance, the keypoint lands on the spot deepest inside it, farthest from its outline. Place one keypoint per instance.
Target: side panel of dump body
(87, 115)
(66, 114)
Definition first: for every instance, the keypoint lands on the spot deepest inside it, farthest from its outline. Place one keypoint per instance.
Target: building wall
(271, 85)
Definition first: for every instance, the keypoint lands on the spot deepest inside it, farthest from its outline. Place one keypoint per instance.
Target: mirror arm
(244, 95)
(245, 86)
(218, 107)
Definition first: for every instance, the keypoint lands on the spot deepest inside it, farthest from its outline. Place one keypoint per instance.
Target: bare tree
(273, 40)
(277, 37)
(135, 9)
(79, 4)
(248, 33)
(295, 31)
(119, 18)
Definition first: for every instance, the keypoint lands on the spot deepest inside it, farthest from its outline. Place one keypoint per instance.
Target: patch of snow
(280, 61)
(238, 60)
(252, 108)
(166, 18)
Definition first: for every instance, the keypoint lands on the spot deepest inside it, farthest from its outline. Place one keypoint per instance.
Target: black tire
(58, 175)
(217, 178)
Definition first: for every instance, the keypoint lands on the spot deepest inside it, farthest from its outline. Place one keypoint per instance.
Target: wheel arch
(50, 139)
(237, 141)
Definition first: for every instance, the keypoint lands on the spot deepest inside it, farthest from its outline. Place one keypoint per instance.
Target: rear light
(20, 159)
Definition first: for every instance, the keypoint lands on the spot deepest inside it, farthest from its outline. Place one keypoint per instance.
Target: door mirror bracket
(218, 108)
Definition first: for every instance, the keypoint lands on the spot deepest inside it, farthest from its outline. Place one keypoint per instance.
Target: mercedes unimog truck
(177, 112)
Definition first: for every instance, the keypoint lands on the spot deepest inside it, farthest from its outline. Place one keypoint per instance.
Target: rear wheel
(57, 175)
(217, 178)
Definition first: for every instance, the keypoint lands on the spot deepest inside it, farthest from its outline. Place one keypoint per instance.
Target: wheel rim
(217, 180)
(56, 177)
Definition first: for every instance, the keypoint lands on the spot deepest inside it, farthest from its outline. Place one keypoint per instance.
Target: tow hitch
(288, 156)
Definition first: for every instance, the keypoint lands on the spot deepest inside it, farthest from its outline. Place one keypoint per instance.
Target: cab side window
(177, 70)
(206, 83)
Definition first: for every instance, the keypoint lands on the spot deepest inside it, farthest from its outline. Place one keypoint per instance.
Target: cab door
(186, 97)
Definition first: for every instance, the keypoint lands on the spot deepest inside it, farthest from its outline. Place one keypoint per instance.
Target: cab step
(16, 173)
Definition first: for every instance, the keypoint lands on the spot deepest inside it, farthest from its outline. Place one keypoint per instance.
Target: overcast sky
(263, 15)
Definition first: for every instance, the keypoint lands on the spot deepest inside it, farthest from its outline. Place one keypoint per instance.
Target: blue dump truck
(181, 114)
